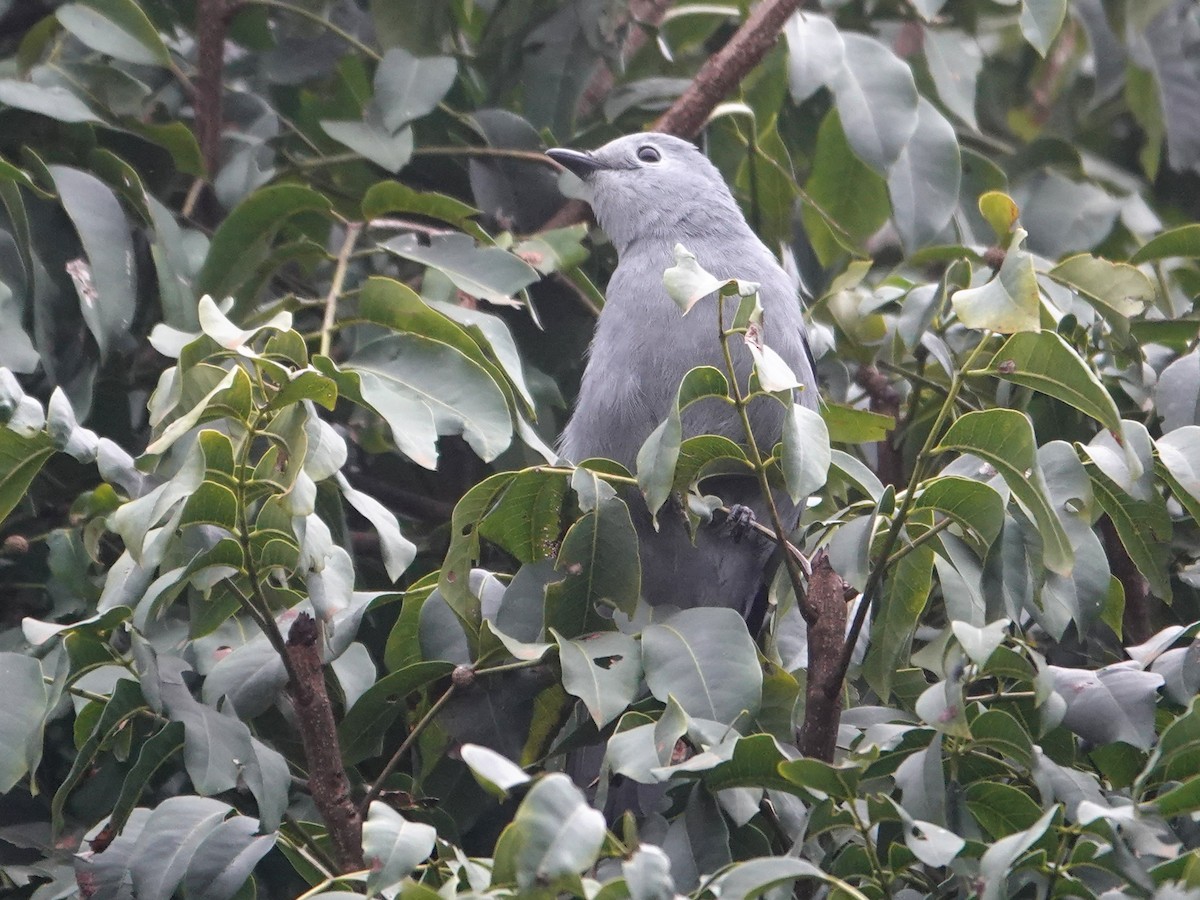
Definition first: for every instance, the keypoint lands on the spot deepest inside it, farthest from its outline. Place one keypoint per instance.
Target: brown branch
(1136, 622)
(725, 69)
(314, 718)
(886, 401)
(210, 62)
(826, 611)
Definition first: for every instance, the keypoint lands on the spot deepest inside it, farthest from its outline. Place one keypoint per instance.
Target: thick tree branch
(826, 611)
(314, 718)
(210, 63)
(725, 69)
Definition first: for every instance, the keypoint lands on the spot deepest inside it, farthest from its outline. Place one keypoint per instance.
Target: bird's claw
(739, 520)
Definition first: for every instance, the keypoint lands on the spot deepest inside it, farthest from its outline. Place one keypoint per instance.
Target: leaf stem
(924, 538)
(398, 756)
(353, 229)
(317, 889)
(512, 666)
(756, 459)
(603, 476)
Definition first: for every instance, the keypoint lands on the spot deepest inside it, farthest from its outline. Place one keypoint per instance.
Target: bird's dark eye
(648, 154)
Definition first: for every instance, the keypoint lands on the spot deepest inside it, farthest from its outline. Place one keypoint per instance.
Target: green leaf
(202, 408)
(601, 567)
(999, 860)
(1040, 21)
(1143, 526)
(687, 282)
(1007, 303)
(1115, 289)
(497, 774)
(1182, 800)
(1004, 438)
(970, 503)
(464, 549)
(1000, 212)
(363, 727)
(659, 453)
(555, 250)
(371, 141)
(21, 458)
(174, 830)
(896, 621)
(399, 370)
(125, 702)
(211, 504)
(225, 859)
(707, 455)
(394, 197)
(942, 706)
(754, 763)
(845, 189)
(806, 452)
(485, 272)
(393, 846)
(53, 101)
(850, 425)
(706, 660)
(25, 699)
(305, 385)
(1179, 454)
(815, 52)
(1112, 703)
(398, 551)
(954, 61)
(242, 241)
(527, 520)
(754, 877)
(876, 101)
(555, 835)
(1043, 361)
(1181, 241)
(397, 306)
(979, 643)
(923, 183)
(116, 28)
(155, 752)
(602, 670)
(106, 283)
(839, 782)
(408, 87)
(1001, 809)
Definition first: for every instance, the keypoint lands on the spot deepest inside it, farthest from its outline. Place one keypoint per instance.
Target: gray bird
(649, 193)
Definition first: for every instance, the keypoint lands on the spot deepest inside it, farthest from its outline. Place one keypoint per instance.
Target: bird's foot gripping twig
(740, 520)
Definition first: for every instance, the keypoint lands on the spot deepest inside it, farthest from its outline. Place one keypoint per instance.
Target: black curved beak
(580, 163)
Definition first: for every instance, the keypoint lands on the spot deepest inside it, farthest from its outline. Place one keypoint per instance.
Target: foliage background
(992, 205)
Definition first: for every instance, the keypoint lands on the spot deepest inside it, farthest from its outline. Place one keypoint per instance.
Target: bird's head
(647, 185)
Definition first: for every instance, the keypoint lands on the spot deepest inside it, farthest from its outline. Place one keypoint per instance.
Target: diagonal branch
(314, 720)
(725, 69)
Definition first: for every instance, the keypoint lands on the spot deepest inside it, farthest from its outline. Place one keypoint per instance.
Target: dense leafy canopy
(291, 311)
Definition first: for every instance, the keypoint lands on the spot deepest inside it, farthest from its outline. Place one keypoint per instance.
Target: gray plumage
(643, 346)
